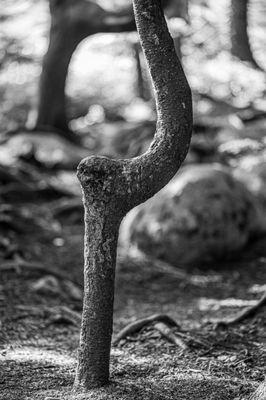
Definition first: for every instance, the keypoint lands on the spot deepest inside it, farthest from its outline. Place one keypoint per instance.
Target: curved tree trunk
(172, 9)
(240, 45)
(112, 187)
(71, 22)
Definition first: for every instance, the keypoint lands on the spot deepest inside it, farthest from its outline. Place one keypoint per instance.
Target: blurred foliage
(103, 67)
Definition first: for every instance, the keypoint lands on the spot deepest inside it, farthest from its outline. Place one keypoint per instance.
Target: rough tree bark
(240, 45)
(172, 9)
(112, 187)
(71, 22)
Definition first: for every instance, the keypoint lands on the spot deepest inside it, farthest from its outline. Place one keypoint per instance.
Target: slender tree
(71, 22)
(112, 187)
(240, 44)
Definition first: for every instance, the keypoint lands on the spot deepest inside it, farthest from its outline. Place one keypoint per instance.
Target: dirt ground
(39, 342)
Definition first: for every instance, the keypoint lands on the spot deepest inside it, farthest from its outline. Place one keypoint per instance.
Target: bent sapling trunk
(112, 187)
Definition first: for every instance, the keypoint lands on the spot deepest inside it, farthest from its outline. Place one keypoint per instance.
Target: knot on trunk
(106, 180)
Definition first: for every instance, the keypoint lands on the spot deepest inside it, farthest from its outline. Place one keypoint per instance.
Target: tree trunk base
(81, 387)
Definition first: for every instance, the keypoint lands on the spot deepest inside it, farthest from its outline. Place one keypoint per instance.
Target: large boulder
(204, 213)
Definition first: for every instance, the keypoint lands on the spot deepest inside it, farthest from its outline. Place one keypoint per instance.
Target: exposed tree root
(57, 315)
(19, 265)
(15, 192)
(169, 335)
(246, 313)
(164, 267)
(163, 325)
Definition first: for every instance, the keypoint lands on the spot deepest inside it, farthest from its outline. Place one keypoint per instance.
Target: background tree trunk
(240, 45)
(52, 100)
(112, 187)
(71, 22)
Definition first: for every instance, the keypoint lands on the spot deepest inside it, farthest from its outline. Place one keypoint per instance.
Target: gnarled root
(164, 323)
(19, 265)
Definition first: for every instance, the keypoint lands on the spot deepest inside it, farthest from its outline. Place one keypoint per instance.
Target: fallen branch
(19, 265)
(60, 314)
(137, 325)
(17, 192)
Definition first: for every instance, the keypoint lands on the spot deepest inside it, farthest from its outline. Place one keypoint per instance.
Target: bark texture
(112, 187)
(240, 45)
(71, 22)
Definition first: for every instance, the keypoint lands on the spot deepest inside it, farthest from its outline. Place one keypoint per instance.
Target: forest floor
(39, 341)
